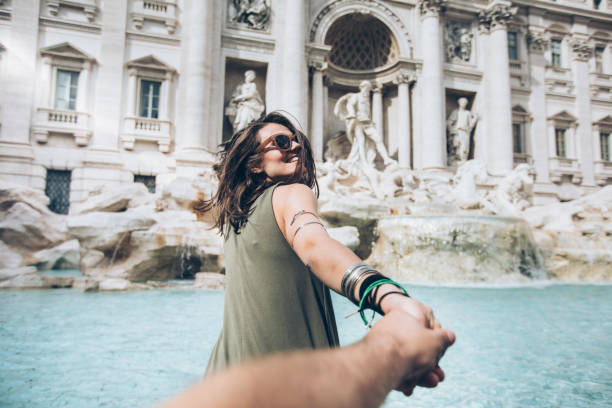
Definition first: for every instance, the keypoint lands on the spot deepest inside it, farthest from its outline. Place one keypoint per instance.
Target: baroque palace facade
(108, 92)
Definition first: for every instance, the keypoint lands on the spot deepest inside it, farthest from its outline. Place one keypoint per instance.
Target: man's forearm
(360, 375)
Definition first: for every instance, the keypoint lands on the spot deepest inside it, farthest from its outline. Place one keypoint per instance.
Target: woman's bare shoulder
(294, 194)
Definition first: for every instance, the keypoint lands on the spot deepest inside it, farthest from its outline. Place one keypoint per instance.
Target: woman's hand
(418, 310)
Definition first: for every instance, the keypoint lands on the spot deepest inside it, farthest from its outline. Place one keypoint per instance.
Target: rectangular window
(512, 46)
(148, 181)
(57, 188)
(560, 142)
(517, 136)
(149, 99)
(66, 85)
(605, 146)
(555, 48)
(599, 51)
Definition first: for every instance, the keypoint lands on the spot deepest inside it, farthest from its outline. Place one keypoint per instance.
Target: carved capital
(317, 65)
(430, 7)
(581, 50)
(496, 17)
(537, 41)
(132, 72)
(404, 78)
(500, 15)
(377, 86)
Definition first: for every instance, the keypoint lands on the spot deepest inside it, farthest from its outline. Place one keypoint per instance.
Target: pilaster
(294, 76)
(18, 88)
(585, 152)
(538, 43)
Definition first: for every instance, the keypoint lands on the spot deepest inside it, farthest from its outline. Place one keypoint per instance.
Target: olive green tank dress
(273, 302)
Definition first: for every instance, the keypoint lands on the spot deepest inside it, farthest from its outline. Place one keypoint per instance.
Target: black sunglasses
(282, 142)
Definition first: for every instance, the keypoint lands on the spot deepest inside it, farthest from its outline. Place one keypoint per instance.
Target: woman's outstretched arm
(296, 212)
(397, 350)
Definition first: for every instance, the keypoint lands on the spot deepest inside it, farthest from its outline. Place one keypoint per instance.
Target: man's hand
(418, 349)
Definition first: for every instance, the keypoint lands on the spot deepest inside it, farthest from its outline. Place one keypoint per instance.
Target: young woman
(280, 261)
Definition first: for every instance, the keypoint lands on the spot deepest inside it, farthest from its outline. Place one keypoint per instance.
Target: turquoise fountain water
(531, 346)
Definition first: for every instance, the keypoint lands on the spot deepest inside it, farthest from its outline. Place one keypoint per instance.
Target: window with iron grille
(512, 46)
(149, 99)
(66, 86)
(560, 142)
(605, 146)
(57, 188)
(148, 181)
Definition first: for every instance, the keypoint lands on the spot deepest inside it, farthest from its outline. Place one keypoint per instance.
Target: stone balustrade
(49, 120)
(520, 158)
(603, 172)
(154, 10)
(563, 166)
(145, 129)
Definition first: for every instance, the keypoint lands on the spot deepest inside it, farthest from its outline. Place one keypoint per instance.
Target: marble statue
(246, 104)
(366, 143)
(253, 13)
(458, 43)
(513, 193)
(465, 193)
(460, 124)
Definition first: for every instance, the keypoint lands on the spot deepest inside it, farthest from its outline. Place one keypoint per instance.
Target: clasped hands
(433, 341)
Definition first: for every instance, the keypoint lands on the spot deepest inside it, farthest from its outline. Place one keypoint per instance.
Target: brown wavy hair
(240, 185)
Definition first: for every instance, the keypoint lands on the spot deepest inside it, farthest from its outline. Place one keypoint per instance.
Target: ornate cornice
(537, 41)
(430, 7)
(496, 17)
(581, 50)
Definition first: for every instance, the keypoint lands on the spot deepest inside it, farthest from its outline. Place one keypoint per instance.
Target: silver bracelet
(353, 275)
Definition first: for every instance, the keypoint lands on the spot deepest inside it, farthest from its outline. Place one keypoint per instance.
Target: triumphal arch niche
(361, 48)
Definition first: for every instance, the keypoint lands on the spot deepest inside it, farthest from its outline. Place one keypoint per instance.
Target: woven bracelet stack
(368, 280)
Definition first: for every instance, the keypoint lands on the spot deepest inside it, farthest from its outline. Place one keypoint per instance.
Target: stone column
(197, 77)
(108, 110)
(538, 44)
(83, 87)
(403, 91)
(432, 132)
(377, 108)
(102, 163)
(318, 106)
(583, 139)
(294, 77)
(500, 155)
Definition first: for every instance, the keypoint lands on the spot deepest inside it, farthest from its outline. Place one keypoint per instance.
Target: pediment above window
(605, 122)
(66, 50)
(150, 62)
(564, 117)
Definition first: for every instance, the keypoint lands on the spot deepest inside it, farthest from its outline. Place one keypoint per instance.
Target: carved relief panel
(458, 40)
